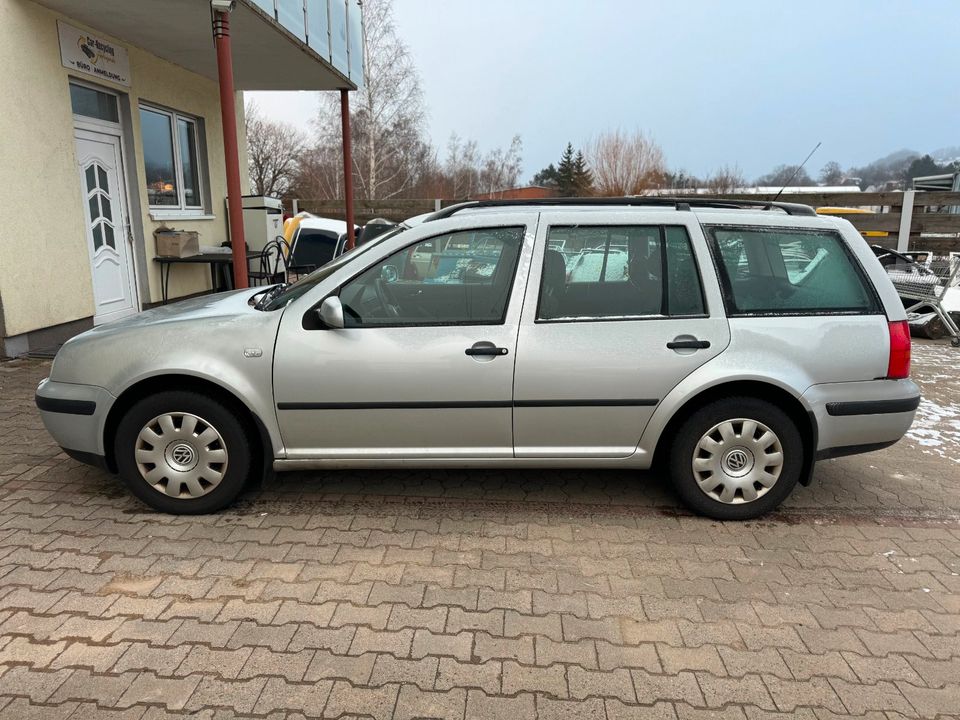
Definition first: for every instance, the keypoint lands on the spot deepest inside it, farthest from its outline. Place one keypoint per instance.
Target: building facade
(112, 128)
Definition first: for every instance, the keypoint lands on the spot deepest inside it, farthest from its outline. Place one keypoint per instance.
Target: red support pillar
(231, 151)
(347, 164)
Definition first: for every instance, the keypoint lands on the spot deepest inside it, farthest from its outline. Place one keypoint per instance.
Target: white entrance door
(105, 209)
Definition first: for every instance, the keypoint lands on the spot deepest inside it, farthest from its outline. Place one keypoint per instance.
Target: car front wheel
(183, 453)
(736, 458)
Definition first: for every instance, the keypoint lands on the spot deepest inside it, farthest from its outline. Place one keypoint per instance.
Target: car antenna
(799, 168)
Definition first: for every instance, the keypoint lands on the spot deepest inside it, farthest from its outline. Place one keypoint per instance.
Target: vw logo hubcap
(738, 461)
(182, 456)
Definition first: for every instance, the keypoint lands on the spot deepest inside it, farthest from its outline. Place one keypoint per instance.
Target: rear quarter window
(788, 271)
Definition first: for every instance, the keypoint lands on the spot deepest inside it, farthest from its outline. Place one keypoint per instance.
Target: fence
(904, 215)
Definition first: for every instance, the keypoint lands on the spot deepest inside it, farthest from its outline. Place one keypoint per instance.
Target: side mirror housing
(331, 313)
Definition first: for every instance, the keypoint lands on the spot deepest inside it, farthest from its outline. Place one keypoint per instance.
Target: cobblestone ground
(483, 594)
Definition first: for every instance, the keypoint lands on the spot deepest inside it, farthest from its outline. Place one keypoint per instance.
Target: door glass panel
(104, 185)
(94, 208)
(772, 271)
(684, 291)
(91, 178)
(158, 158)
(108, 234)
(105, 208)
(97, 236)
(618, 271)
(462, 278)
(93, 103)
(188, 161)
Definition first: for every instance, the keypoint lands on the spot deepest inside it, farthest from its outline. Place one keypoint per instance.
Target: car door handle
(487, 350)
(688, 344)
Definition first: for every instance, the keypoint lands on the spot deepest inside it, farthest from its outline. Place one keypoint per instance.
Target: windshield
(306, 283)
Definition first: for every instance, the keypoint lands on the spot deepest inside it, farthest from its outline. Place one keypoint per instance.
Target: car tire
(183, 453)
(725, 465)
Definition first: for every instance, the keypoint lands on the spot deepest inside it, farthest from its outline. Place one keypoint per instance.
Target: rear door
(620, 307)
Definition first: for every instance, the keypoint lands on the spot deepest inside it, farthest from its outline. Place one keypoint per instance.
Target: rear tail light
(898, 367)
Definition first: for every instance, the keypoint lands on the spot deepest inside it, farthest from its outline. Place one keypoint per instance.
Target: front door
(424, 366)
(615, 316)
(107, 228)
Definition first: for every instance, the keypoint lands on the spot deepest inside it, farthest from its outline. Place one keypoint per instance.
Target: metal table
(221, 269)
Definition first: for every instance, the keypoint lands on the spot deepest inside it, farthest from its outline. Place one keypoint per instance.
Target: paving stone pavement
(534, 594)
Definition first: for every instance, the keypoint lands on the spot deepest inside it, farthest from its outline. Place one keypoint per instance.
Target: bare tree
(460, 167)
(387, 117)
(625, 163)
(831, 173)
(726, 179)
(274, 150)
(501, 168)
(468, 173)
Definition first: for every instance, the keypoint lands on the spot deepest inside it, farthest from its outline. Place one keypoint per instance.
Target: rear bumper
(855, 417)
(74, 415)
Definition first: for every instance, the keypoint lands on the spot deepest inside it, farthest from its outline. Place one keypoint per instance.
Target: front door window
(461, 278)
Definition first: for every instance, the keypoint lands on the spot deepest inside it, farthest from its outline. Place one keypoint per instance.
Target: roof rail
(678, 203)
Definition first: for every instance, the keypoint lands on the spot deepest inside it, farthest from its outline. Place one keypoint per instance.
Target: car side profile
(731, 344)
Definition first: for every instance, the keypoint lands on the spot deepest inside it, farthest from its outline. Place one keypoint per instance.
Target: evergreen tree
(582, 176)
(565, 173)
(547, 177)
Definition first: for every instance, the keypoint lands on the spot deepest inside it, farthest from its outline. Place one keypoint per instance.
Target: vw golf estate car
(731, 345)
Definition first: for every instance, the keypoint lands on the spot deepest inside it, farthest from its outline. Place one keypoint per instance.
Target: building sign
(91, 55)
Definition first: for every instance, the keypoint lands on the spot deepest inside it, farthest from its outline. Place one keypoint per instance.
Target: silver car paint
(203, 337)
(630, 357)
(399, 365)
(815, 359)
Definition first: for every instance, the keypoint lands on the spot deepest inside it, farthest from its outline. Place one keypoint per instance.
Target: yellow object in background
(853, 211)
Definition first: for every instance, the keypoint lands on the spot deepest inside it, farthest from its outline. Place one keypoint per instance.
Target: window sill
(180, 215)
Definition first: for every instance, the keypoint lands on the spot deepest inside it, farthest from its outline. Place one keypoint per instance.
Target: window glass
(186, 131)
(314, 248)
(684, 291)
(618, 272)
(93, 103)
(158, 157)
(455, 279)
(769, 270)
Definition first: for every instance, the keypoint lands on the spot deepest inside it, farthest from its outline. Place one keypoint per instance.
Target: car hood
(224, 304)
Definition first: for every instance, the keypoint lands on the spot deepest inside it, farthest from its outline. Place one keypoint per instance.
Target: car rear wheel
(736, 458)
(183, 453)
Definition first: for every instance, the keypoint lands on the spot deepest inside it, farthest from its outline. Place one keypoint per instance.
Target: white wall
(44, 262)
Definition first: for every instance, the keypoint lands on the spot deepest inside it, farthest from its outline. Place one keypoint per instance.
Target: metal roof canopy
(266, 56)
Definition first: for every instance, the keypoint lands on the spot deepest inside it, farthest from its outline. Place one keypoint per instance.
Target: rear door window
(789, 271)
(618, 272)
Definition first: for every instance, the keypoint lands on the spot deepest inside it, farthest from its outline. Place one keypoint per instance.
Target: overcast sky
(739, 82)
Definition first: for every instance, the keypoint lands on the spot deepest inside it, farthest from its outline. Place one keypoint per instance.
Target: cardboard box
(177, 243)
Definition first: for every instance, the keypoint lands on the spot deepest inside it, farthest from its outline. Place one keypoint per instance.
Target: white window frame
(181, 210)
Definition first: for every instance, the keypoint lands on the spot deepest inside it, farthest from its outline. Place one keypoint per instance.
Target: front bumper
(75, 415)
(855, 417)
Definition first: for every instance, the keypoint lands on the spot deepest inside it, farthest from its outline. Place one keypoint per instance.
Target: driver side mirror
(330, 313)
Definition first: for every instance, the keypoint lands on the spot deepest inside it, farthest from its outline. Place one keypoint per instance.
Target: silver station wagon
(730, 344)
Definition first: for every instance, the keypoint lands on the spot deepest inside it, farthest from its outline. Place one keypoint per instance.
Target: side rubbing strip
(68, 407)
(873, 407)
(463, 405)
(393, 405)
(642, 402)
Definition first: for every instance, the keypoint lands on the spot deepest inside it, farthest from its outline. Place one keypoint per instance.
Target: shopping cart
(935, 285)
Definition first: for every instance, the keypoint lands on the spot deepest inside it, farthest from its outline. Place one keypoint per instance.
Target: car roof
(626, 204)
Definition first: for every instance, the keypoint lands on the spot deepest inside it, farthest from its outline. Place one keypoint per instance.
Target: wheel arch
(263, 449)
(791, 404)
